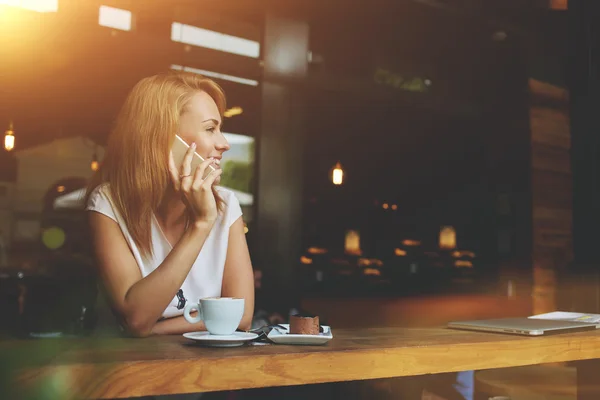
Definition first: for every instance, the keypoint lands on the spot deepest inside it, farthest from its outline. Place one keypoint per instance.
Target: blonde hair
(136, 159)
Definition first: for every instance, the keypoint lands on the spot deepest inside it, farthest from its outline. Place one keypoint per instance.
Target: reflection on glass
(214, 40)
(216, 75)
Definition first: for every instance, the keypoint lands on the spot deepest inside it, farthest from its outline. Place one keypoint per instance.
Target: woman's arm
(238, 281)
(141, 301)
(176, 326)
(238, 278)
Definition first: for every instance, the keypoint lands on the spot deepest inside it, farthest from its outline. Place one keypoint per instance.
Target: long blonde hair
(136, 160)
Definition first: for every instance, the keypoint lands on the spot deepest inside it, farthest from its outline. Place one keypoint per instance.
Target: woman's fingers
(210, 179)
(200, 172)
(186, 167)
(173, 172)
(186, 183)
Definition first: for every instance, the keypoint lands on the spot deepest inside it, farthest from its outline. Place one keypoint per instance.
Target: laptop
(523, 326)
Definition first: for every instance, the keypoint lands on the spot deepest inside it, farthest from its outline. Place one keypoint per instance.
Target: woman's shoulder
(100, 201)
(100, 193)
(225, 193)
(233, 209)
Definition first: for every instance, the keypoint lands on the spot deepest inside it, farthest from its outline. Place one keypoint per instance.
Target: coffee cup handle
(188, 309)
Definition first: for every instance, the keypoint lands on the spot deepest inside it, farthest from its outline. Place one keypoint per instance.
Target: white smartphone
(180, 147)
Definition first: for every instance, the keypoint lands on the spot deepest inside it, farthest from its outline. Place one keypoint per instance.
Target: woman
(162, 235)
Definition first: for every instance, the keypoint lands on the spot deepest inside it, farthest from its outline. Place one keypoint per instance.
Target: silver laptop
(523, 326)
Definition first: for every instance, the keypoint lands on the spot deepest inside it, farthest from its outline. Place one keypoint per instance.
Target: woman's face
(201, 124)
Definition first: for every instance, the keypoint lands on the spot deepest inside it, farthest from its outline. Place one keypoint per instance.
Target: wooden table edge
(172, 376)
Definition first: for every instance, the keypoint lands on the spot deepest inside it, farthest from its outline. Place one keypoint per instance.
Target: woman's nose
(223, 144)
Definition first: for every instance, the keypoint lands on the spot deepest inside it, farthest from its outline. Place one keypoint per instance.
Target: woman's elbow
(140, 332)
(138, 327)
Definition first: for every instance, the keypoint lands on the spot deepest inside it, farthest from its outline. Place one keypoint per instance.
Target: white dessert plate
(282, 336)
(234, 340)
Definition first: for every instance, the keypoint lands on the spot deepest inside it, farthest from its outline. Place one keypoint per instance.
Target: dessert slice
(304, 325)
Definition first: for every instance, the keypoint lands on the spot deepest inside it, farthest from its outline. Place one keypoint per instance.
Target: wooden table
(119, 367)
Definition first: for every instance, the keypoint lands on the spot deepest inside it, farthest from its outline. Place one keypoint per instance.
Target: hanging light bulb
(94, 164)
(337, 174)
(9, 138)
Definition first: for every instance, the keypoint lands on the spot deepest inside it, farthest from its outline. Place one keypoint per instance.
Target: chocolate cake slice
(304, 325)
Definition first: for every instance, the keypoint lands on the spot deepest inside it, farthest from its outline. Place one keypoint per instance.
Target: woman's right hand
(197, 193)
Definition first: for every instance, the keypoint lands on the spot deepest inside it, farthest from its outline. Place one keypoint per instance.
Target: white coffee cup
(221, 315)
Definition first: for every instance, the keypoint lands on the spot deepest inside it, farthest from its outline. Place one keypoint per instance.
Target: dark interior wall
(439, 165)
(584, 88)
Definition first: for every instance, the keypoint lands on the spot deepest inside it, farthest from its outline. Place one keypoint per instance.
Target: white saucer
(281, 336)
(233, 340)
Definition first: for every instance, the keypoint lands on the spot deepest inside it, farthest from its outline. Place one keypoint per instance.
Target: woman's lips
(216, 162)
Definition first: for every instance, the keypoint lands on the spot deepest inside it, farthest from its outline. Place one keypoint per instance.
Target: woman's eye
(211, 129)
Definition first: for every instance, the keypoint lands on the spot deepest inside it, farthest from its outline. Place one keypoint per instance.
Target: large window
(238, 168)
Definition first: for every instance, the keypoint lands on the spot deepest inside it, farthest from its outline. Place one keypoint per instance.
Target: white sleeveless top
(206, 276)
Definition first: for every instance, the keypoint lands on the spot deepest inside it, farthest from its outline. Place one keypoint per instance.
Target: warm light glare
(317, 250)
(372, 271)
(447, 237)
(386, 206)
(233, 111)
(394, 207)
(352, 242)
(366, 262)
(245, 228)
(60, 189)
(463, 264)
(411, 242)
(463, 253)
(399, 252)
(306, 260)
(337, 175)
(33, 5)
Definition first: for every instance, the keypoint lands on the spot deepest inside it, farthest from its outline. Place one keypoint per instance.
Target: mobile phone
(180, 147)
